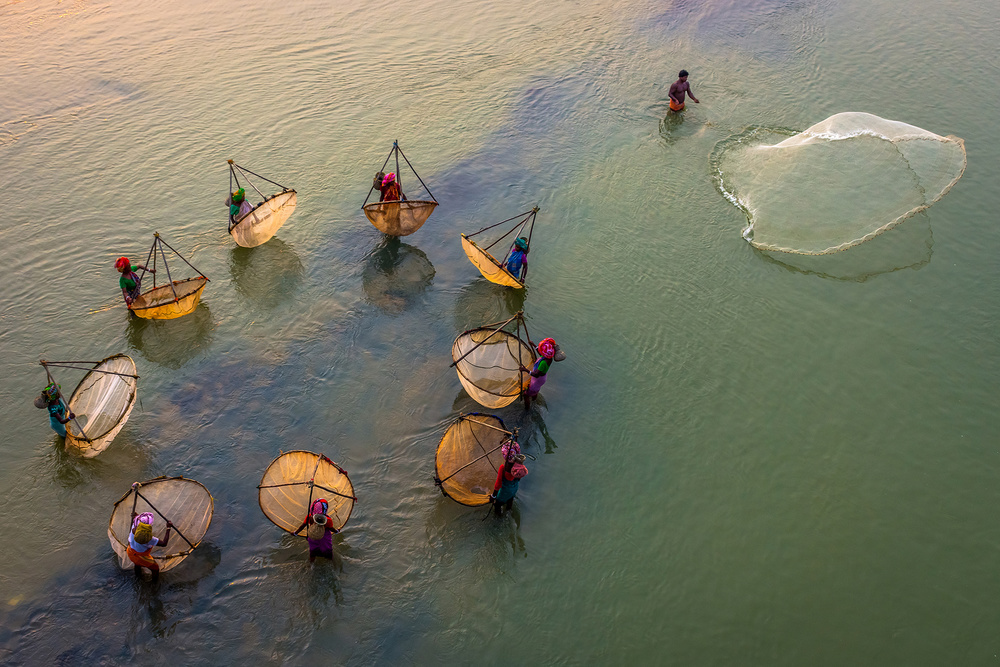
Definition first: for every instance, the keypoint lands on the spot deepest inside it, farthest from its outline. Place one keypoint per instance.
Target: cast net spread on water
(489, 361)
(101, 403)
(522, 226)
(174, 299)
(402, 216)
(294, 480)
(262, 221)
(837, 184)
(184, 502)
(469, 457)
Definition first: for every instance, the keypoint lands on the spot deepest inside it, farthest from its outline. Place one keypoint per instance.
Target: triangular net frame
(469, 456)
(489, 359)
(294, 480)
(401, 217)
(174, 299)
(101, 402)
(184, 502)
(263, 220)
(493, 269)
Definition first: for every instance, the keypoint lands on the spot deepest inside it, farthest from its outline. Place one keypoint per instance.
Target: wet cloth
(57, 413)
(676, 107)
(538, 372)
(518, 258)
(130, 282)
(322, 546)
(391, 192)
(508, 479)
(239, 211)
(140, 554)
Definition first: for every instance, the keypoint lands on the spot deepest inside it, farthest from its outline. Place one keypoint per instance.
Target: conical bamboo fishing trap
(177, 297)
(493, 269)
(404, 216)
(262, 221)
(187, 504)
(294, 480)
(469, 456)
(489, 360)
(101, 403)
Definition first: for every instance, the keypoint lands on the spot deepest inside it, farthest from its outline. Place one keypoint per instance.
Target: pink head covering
(146, 518)
(389, 178)
(510, 449)
(547, 348)
(319, 506)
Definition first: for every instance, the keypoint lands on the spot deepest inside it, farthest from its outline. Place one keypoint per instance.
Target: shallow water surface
(747, 458)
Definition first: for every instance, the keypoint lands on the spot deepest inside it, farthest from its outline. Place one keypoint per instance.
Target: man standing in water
(677, 90)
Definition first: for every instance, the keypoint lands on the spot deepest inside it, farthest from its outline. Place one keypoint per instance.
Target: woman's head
(521, 244)
(319, 506)
(122, 264)
(239, 196)
(389, 178)
(51, 391)
(547, 348)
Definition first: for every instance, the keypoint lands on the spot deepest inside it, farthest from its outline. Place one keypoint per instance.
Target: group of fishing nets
(836, 184)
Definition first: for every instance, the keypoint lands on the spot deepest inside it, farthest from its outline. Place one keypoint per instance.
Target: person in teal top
(517, 263)
(130, 282)
(59, 414)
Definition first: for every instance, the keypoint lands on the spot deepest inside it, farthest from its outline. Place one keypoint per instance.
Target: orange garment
(674, 106)
(141, 559)
(391, 192)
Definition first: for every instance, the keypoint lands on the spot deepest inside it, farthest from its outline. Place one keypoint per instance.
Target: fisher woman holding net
(548, 352)
(509, 476)
(130, 282)
(141, 543)
(59, 415)
(319, 530)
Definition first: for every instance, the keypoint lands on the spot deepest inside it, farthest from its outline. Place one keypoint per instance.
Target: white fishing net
(837, 184)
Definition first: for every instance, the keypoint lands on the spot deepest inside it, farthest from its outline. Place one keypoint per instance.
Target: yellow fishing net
(469, 457)
(294, 480)
(170, 301)
(264, 220)
(488, 362)
(399, 218)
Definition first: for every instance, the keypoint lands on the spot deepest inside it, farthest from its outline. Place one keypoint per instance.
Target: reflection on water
(268, 274)
(906, 246)
(172, 343)
(396, 275)
(482, 302)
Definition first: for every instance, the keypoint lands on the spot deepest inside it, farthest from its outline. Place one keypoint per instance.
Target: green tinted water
(745, 459)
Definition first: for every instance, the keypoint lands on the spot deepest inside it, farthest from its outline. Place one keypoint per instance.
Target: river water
(745, 459)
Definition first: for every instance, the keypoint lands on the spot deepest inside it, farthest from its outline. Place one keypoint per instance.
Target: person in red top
(508, 477)
(390, 189)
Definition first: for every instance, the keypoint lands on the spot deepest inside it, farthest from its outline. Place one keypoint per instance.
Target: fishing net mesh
(264, 220)
(184, 502)
(469, 456)
(399, 218)
(294, 480)
(839, 183)
(102, 403)
(491, 372)
(488, 265)
(160, 303)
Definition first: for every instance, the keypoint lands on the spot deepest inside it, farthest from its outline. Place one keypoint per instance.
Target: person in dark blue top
(59, 415)
(517, 264)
